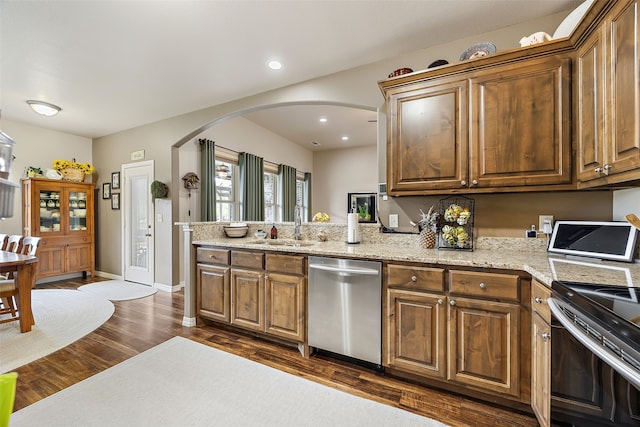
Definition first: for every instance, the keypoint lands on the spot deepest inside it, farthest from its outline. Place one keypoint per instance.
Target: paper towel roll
(353, 231)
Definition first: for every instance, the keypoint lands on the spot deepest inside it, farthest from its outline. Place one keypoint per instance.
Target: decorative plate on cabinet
(478, 50)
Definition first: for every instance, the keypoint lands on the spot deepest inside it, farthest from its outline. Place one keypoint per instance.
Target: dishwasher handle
(345, 270)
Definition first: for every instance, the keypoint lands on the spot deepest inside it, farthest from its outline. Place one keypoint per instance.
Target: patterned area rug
(184, 383)
(118, 290)
(62, 316)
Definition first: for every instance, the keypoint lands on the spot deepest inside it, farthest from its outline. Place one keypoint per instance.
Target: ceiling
(115, 65)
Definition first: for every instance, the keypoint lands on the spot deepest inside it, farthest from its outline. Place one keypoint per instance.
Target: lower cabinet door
(213, 296)
(285, 306)
(247, 299)
(484, 344)
(416, 333)
(79, 257)
(50, 261)
(541, 370)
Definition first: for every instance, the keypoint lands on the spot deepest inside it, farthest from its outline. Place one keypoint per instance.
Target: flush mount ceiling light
(345, 138)
(323, 120)
(43, 108)
(274, 64)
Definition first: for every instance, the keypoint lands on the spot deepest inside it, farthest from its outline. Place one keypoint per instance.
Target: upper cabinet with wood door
(496, 127)
(607, 89)
(61, 214)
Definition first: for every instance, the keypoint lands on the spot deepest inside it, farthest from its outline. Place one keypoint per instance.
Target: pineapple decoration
(428, 226)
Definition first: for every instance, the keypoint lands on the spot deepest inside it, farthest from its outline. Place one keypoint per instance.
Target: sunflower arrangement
(61, 165)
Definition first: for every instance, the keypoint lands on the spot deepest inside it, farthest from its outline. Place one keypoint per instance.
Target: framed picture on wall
(115, 201)
(106, 190)
(115, 180)
(364, 204)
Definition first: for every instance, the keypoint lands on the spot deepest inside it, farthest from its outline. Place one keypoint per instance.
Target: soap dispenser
(274, 232)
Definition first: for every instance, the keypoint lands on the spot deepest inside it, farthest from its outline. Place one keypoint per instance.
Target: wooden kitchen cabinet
(466, 333)
(606, 92)
(61, 214)
(286, 296)
(213, 284)
(541, 353)
(253, 290)
(416, 333)
(503, 128)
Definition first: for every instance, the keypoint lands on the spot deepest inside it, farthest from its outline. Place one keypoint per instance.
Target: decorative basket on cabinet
(73, 175)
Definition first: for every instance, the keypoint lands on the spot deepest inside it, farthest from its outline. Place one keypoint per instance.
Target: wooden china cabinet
(61, 214)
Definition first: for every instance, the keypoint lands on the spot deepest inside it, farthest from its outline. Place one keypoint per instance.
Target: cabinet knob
(546, 336)
(440, 302)
(463, 183)
(414, 279)
(607, 167)
(474, 182)
(598, 170)
(452, 303)
(483, 286)
(538, 300)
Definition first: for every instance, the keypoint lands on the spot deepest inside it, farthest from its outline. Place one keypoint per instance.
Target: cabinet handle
(474, 182)
(440, 302)
(598, 170)
(463, 183)
(607, 167)
(452, 303)
(483, 286)
(538, 300)
(546, 336)
(414, 279)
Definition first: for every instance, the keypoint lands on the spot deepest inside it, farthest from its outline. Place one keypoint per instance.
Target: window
(301, 198)
(226, 200)
(270, 197)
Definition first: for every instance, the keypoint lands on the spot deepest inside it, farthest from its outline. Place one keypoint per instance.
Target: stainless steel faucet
(298, 222)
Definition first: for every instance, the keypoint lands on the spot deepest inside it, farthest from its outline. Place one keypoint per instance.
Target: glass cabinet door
(49, 211)
(77, 210)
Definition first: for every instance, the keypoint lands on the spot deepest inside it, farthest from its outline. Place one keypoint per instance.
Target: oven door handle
(607, 356)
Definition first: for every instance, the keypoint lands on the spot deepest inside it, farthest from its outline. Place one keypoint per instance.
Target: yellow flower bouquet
(72, 170)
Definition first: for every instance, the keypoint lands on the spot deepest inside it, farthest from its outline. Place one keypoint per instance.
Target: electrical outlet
(393, 220)
(542, 220)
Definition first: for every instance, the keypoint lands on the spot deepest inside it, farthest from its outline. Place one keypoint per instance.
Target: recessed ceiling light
(316, 143)
(274, 64)
(44, 108)
(345, 138)
(323, 120)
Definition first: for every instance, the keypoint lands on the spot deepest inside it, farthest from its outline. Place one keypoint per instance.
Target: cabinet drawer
(414, 277)
(539, 295)
(292, 264)
(488, 285)
(247, 259)
(212, 255)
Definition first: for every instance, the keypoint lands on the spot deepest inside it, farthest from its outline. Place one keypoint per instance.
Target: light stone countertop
(500, 253)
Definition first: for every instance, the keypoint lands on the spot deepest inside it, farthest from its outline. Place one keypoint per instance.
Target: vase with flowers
(72, 170)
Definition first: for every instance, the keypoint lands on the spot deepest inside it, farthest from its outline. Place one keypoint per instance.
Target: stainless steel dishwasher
(345, 307)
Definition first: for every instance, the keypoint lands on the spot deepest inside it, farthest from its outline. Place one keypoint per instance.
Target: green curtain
(287, 178)
(307, 193)
(208, 173)
(251, 174)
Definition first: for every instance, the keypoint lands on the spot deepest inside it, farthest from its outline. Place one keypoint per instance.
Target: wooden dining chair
(9, 288)
(3, 241)
(13, 243)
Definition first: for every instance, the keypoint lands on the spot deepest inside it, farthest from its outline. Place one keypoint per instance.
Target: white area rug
(185, 383)
(118, 290)
(62, 316)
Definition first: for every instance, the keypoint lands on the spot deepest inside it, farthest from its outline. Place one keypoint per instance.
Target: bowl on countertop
(236, 231)
(260, 234)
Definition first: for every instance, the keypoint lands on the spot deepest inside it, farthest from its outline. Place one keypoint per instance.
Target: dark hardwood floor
(138, 325)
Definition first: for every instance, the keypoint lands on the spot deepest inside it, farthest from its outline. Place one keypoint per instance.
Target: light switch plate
(393, 220)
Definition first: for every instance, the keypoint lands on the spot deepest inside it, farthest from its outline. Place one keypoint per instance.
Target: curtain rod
(203, 140)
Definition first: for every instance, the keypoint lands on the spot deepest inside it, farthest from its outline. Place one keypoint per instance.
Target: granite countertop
(505, 254)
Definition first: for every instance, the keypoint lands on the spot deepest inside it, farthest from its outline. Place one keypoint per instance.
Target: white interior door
(137, 220)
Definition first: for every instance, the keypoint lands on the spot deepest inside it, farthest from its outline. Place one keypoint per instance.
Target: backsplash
(369, 233)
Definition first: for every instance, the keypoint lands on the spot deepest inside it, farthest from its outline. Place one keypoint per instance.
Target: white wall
(338, 172)
(39, 147)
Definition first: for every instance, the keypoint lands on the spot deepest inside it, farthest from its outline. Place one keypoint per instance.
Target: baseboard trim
(109, 275)
(189, 322)
(168, 288)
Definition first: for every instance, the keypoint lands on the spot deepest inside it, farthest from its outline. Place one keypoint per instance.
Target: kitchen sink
(283, 242)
